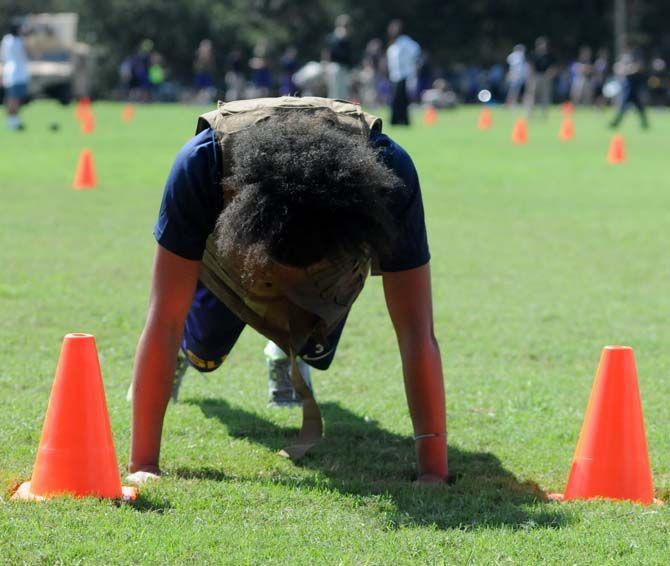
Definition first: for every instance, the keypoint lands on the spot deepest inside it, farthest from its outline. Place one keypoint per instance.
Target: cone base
(561, 499)
(23, 493)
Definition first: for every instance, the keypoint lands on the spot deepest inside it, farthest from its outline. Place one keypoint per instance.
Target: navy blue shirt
(193, 200)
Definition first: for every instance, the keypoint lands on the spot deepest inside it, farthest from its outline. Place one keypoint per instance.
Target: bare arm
(409, 302)
(172, 288)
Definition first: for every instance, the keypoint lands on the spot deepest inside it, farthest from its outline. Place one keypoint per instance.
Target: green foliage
(542, 254)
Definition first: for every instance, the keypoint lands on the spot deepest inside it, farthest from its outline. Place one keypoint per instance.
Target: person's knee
(203, 365)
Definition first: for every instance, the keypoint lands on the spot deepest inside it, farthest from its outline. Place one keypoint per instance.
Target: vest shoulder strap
(205, 121)
(231, 117)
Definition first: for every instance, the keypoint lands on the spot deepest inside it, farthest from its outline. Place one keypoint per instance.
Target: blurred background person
(473, 79)
(125, 77)
(140, 86)
(261, 75)
(310, 79)
(425, 74)
(338, 58)
(541, 73)
(375, 60)
(204, 67)
(156, 73)
(562, 83)
(516, 74)
(289, 65)
(440, 95)
(367, 84)
(83, 69)
(657, 83)
(582, 89)
(402, 55)
(601, 71)
(630, 70)
(234, 79)
(15, 75)
(496, 81)
(162, 90)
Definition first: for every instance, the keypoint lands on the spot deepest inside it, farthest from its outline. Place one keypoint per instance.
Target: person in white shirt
(402, 58)
(14, 75)
(517, 74)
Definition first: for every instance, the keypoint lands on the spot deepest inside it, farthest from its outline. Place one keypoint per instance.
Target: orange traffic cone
(567, 130)
(87, 122)
(611, 459)
(430, 116)
(520, 132)
(85, 177)
(128, 113)
(485, 120)
(76, 452)
(82, 108)
(617, 150)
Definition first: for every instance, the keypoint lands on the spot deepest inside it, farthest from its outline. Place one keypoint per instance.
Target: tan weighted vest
(289, 316)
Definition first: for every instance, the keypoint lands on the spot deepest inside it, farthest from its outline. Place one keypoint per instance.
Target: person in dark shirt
(204, 68)
(292, 197)
(234, 78)
(139, 67)
(289, 66)
(630, 69)
(261, 76)
(338, 58)
(541, 78)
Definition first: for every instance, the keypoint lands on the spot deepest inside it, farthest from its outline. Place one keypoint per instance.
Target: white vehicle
(59, 65)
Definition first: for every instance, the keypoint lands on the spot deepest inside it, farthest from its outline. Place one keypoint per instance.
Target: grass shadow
(358, 457)
(144, 504)
(201, 473)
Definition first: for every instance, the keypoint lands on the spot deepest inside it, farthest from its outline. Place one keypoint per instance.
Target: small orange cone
(76, 452)
(430, 115)
(83, 107)
(611, 459)
(567, 130)
(520, 132)
(85, 177)
(485, 120)
(128, 113)
(617, 150)
(87, 122)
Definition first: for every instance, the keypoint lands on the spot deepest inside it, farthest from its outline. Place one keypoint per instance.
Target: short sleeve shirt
(15, 61)
(541, 63)
(193, 200)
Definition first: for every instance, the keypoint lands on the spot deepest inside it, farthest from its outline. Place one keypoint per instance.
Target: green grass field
(542, 254)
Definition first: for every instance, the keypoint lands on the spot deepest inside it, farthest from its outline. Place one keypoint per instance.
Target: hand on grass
(142, 476)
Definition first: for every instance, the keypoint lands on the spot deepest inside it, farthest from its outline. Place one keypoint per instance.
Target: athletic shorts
(211, 330)
(19, 91)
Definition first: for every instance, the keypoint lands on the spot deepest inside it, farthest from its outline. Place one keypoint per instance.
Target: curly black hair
(305, 190)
